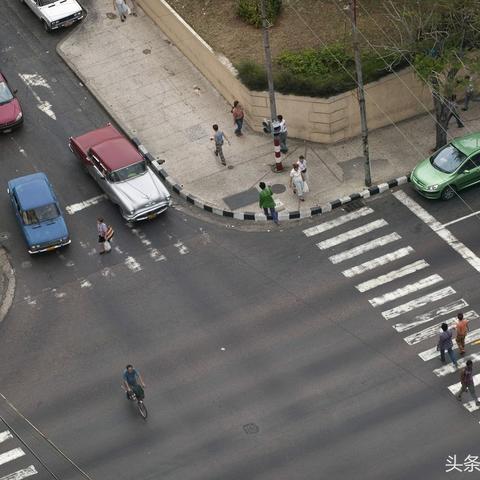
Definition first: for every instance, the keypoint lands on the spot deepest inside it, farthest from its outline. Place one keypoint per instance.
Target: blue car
(38, 213)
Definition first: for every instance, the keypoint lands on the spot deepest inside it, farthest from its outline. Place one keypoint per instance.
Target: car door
(469, 172)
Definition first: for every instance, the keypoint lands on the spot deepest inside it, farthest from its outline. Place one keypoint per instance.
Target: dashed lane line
(432, 353)
(417, 303)
(77, 207)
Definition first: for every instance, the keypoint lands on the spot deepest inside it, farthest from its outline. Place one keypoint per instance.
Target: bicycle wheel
(143, 410)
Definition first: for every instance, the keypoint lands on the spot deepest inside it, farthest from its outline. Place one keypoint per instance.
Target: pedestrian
(453, 111)
(466, 380)
(267, 202)
(297, 182)
(302, 166)
(102, 230)
(445, 343)
(122, 9)
(219, 137)
(462, 329)
(133, 8)
(283, 134)
(238, 115)
(469, 90)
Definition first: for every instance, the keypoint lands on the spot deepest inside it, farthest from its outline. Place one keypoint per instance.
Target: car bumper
(68, 22)
(148, 214)
(8, 127)
(49, 248)
(422, 191)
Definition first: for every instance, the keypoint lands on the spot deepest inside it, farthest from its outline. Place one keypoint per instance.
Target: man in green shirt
(267, 202)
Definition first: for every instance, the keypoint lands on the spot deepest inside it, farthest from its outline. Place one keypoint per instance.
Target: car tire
(448, 193)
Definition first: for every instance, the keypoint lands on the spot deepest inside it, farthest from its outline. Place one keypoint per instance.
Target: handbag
(110, 233)
(306, 188)
(106, 246)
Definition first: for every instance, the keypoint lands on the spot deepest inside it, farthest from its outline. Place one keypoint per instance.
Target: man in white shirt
(283, 134)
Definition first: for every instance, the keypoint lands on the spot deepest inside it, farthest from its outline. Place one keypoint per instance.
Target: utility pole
(361, 92)
(275, 125)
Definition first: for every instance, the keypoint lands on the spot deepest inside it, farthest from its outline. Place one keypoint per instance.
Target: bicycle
(142, 409)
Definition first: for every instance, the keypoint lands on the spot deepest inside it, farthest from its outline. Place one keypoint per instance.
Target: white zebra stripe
(433, 330)
(450, 368)
(406, 290)
(20, 474)
(323, 227)
(351, 234)
(417, 303)
(433, 353)
(11, 455)
(455, 306)
(378, 262)
(5, 435)
(393, 275)
(353, 252)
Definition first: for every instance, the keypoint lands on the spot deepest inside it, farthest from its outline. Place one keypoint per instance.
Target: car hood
(46, 232)
(60, 9)
(9, 111)
(427, 174)
(142, 191)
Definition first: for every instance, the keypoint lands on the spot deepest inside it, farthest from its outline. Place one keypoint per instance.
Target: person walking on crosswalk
(445, 343)
(466, 380)
(462, 329)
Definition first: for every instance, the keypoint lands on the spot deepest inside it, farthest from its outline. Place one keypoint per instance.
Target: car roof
(468, 144)
(32, 191)
(116, 153)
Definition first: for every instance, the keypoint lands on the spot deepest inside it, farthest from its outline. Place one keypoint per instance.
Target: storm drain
(355, 205)
(251, 428)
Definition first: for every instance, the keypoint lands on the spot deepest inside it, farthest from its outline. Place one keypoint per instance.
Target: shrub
(252, 75)
(249, 11)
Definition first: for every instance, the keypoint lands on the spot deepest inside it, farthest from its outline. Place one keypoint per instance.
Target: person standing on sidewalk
(133, 7)
(121, 8)
(462, 329)
(453, 107)
(218, 138)
(102, 230)
(283, 134)
(238, 115)
(267, 202)
(468, 92)
(297, 182)
(466, 379)
(445, 343)
(302, 166)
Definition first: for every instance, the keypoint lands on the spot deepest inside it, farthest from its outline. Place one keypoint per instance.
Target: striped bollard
(276, 146)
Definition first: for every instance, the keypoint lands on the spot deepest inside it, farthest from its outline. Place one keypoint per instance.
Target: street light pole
(275, 125)
(361, 92)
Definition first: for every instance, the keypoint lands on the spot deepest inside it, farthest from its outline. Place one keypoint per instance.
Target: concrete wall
(315, 119)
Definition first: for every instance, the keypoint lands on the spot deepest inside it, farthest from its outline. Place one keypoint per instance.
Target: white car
(56, 13)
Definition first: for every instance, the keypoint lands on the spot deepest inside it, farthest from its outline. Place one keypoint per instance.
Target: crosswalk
(13, 456)
(365, 251)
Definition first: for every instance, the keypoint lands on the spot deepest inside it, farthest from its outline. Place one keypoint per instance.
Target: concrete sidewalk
(152, 90)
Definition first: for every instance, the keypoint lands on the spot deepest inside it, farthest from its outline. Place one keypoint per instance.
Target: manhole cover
(251, 428)
(355, 205)
(196, 132)
(230, 167)
(146, 51)
(278, 188)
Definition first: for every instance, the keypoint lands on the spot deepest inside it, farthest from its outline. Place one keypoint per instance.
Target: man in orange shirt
(462, 329)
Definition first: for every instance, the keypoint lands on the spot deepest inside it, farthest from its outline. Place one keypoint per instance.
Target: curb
(8, 272)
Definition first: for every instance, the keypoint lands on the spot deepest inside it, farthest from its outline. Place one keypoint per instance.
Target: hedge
(249, 11)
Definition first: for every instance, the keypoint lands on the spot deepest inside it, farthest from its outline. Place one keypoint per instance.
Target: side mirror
(15, 91)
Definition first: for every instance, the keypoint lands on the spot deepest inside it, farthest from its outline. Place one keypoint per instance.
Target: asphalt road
(262, 360)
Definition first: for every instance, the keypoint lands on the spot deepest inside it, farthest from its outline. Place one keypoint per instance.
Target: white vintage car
(56, 13)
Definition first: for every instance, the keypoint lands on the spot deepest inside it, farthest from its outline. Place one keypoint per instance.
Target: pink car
(11, 115)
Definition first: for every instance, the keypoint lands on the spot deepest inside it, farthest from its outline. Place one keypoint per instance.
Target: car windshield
(40, 214)
(128, 172)
(42, 3)
(448, 159)
(5, 93)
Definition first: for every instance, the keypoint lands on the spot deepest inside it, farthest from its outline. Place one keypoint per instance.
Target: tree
(441, 38)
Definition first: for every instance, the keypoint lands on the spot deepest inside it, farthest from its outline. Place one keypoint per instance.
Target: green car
(452, 168)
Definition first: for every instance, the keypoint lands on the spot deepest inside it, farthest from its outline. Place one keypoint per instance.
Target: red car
(11, 115)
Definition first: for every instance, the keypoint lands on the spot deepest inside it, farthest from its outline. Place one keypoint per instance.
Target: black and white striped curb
(258, 216)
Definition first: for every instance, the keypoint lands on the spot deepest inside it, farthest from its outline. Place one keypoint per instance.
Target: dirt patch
(302, 24)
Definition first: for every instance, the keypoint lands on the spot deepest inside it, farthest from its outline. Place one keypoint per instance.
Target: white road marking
(141, 236)
(365, 247)
(132, 264)
(432, 353)
(460, 219)
(5, 435)
(455, 306)
(107, 272)
(439, 229)
(351, 234)
(393, 275)
(450, 368)
(323, 227)
(455, 388)
(20, 474)
(84, 283)
(377, 262)
(434, 330)
(417, 303)
(183, 250)
(156, 255)
(37, 80)
(76, 207)
(11, 455)
(406, 290)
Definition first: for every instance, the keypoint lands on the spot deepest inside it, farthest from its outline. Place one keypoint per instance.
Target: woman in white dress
(122, 9)
(297, 181)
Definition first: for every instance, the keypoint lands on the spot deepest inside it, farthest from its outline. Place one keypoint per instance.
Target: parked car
(452, 168)
(11, 115)
(122, 173)
(38, 213)
(56, 13)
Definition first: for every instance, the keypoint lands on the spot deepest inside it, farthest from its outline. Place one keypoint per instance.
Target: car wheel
(448, 192)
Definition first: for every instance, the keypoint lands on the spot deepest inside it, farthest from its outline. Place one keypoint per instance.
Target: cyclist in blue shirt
(131, 379)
